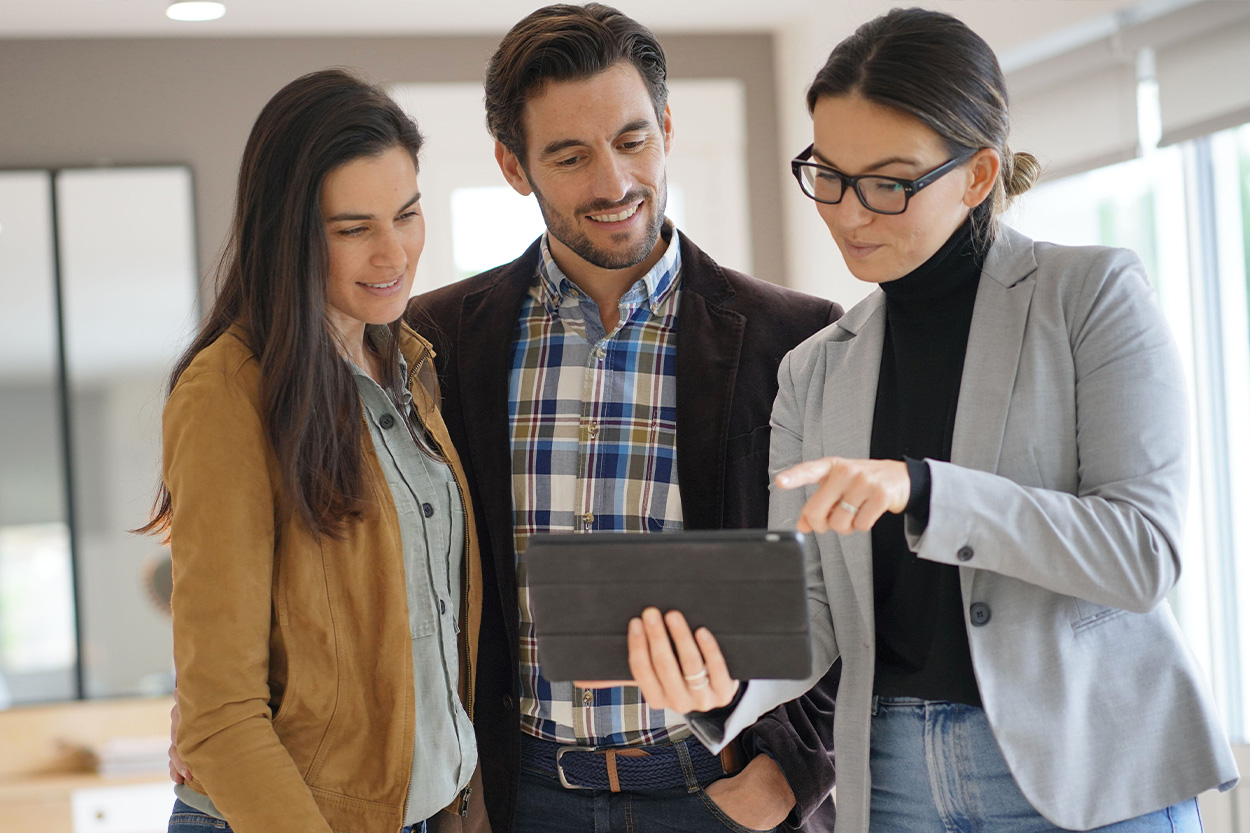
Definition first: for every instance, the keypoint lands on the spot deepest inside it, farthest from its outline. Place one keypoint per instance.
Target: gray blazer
(1062, 507)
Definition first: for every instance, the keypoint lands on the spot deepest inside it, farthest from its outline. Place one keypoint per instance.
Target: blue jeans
(936, 768)
(187, 819)
(544, 806)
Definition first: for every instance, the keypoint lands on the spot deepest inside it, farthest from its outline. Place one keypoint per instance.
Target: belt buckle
(564, 782)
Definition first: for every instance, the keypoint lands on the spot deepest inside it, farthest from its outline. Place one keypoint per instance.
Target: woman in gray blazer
(991, 454)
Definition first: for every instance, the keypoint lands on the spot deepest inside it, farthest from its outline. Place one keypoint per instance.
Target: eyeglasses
(880, 194)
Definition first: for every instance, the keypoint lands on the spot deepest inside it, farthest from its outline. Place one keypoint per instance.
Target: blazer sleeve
(1115, 540)
(222, 541)
(783, 511)
(798, 735)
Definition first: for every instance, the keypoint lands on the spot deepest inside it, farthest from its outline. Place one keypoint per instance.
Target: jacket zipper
(464, 590)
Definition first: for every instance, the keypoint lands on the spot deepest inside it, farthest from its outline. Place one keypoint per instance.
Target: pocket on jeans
(721, 816)
(187, 819)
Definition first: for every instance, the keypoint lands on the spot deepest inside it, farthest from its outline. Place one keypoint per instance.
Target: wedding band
(699, 677)
(849, 507)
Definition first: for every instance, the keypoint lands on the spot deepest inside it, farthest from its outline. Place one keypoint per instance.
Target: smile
(616, 218)
(387, 285)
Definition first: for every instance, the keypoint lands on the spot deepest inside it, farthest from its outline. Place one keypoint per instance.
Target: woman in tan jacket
(326, 580)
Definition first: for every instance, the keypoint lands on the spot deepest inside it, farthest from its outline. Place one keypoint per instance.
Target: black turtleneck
(922, 644)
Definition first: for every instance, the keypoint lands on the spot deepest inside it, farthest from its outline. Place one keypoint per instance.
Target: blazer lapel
(488, 318)
(993, 354)
(853, 364)
(709, 342)
(992, 359)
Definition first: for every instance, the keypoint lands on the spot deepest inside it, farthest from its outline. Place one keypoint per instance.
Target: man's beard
(567, 232)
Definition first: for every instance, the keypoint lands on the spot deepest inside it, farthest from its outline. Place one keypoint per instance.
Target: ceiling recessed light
(195, 11)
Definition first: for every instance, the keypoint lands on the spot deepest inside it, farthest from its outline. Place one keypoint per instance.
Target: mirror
(78, 466)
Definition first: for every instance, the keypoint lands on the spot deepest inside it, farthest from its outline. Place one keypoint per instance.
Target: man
(578, 381)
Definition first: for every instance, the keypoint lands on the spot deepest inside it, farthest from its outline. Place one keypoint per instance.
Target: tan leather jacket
(294, 656)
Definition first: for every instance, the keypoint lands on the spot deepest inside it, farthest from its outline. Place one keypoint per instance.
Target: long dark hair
(271, 280)
(932, 67)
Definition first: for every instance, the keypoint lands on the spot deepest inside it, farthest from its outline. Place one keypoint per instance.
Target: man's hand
(694, 679)
(178, 770)
(758, 797)
(853, 494)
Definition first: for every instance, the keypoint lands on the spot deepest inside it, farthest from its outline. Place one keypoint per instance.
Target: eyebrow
(342, 218)
(879, 165)
(561, 144)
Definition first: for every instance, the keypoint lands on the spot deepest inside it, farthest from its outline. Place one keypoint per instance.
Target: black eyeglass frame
(851, 183)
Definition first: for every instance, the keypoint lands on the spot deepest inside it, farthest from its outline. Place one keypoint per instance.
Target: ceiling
(1005, 23)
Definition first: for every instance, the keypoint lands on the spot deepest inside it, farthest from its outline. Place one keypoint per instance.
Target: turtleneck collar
(954, 267)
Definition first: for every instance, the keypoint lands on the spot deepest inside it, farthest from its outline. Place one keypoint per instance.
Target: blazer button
(964, 553)
(442, 606)
(386, 421)
(508, 702)
(428, 509)
(979, 613)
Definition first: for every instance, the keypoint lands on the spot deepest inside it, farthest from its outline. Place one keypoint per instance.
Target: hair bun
(1022, 172)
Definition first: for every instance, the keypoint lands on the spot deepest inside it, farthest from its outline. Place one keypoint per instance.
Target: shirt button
(428, 509)
(964, 553)
(386, 421)
(593, 430)
(588, 520)
(588, 698)
(979, 613)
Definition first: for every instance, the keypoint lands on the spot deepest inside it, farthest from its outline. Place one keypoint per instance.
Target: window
(1185, 210)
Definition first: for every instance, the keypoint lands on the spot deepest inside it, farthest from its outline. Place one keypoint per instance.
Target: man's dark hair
(565, 43)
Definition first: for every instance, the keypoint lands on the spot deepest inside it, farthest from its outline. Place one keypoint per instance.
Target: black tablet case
(746, 586)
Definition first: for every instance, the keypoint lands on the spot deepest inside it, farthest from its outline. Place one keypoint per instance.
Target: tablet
(746, 586)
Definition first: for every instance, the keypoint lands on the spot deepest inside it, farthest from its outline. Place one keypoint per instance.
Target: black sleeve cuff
(917, 512)
(720, 715)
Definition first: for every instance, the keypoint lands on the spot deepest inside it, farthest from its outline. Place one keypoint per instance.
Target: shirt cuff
(719, 716)
(917, 512)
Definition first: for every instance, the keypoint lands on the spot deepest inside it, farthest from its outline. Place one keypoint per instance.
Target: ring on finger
(699, 682)
(848, 507)
(701, 674)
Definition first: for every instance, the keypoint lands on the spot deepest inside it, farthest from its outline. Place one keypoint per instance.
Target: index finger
(805, 473)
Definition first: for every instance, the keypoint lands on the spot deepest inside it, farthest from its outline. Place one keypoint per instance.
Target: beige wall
(192, 101)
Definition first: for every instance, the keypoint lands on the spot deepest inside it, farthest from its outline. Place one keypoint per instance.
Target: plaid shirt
(594, 449)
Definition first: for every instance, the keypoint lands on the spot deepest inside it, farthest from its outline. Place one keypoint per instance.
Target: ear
(668, 130)
(512, 170)
(983, 170)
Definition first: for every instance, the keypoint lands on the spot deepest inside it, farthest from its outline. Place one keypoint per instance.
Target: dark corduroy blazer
(732, 331)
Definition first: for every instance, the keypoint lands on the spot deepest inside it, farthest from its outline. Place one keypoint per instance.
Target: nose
(389, 251)
(611, 178)
(850, 213)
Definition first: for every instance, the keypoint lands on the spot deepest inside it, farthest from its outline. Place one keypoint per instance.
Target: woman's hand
(852, 495)
(694, 679)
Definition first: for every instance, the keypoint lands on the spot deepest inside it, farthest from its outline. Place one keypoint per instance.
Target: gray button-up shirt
(431, 523)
